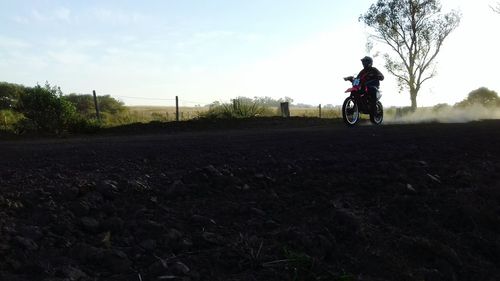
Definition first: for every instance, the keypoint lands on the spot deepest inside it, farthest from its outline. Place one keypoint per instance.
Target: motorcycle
(358, 103)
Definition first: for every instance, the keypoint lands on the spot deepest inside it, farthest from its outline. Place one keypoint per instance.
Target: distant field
(167, 113)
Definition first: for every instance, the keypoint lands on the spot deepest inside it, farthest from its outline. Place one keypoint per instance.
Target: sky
(147, 52)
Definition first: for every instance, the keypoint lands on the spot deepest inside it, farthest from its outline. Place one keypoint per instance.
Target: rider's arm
(380, 76)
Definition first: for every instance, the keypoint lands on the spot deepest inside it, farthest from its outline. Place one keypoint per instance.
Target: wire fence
(162, 101)
(177, 109)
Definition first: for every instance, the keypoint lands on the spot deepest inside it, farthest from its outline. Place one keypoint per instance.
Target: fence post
(320, 110)
(176, 108)
(285, 110)
(96, 104)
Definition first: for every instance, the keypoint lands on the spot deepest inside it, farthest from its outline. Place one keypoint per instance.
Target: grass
(237, 109)
(164, 113)
(300, 265)
(314, 112)
(145, 114)
(8, 120)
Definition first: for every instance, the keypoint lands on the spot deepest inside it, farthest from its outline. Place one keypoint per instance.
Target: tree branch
(399, 76)
(496, 9)
(397, 50)
(427, 78)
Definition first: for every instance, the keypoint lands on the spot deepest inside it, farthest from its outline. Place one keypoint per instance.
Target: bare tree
(415, 31)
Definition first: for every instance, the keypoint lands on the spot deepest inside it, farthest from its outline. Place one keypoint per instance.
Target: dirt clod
(312, 200)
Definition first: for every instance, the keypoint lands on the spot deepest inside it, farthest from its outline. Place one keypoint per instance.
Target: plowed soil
(270, 199)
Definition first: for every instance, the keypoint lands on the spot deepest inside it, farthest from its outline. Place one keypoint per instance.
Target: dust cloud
(446, 114)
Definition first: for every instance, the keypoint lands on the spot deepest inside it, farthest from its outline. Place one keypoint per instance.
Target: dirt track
(313, 201)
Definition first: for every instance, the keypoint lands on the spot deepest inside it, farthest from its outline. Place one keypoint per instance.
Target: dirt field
(263, 200)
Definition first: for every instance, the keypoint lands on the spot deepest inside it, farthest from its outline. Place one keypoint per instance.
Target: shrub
(82, 125)
(85, 106)
(440, 106)
(238, 109)
(9, 94)
(45, 109)
(8, 118)
(482, 96)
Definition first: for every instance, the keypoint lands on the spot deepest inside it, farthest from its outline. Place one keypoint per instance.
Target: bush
(482, 96)
(45, 109)
(82, 125)
(9, 94)
(8, 119)
(238, 109)
(85, 106)
(440, 106)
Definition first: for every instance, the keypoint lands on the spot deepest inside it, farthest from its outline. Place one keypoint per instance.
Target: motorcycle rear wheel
(378, 117)
(350, 112)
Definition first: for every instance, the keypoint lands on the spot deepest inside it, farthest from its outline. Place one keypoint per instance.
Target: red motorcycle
(358, 103)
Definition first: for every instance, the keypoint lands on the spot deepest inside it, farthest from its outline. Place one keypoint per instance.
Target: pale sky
(208, 50)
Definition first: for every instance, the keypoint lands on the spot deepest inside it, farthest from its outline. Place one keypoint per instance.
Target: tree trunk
(413, 97)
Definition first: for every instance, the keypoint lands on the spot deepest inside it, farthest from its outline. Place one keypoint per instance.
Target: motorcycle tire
(378, 117)
(350, 111)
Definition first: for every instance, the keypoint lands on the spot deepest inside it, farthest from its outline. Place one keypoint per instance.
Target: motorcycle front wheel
(378, 117)
(350, 111)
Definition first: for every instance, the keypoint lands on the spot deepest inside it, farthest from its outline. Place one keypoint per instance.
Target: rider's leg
(372, 93)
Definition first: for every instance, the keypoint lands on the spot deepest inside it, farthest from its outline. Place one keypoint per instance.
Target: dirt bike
(358, 103)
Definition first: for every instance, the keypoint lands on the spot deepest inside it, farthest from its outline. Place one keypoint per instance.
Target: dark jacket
(370, 76)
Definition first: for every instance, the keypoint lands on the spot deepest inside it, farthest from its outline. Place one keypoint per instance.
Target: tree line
(46, 109)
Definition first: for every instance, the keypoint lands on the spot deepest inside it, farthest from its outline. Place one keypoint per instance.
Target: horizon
(152, 51)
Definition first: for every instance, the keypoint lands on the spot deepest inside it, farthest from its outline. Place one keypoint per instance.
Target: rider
(370, 77)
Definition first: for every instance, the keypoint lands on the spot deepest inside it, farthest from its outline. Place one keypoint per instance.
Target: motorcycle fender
(350, 90)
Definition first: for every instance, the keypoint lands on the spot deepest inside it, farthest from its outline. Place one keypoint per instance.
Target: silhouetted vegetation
(41, 109)
(440, 106)
(84, 104)
(414, 31)
(45, 109)
(9, 94)
(271, 102)
(482, 96)
(240, 108)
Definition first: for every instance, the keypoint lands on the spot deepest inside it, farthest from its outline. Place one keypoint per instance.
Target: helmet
(367, 61)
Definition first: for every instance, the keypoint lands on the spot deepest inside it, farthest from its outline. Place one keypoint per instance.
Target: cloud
(13, 43)
(19, 63)
(116, 17)
(59, 14)
(212, 38)
(200, 38)
(38, 16)
(20, 19)
(80, 44)
(63, 14)
(214, 34)
(69, 57)
(249, 37)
